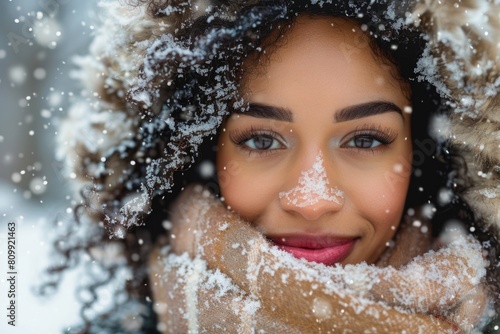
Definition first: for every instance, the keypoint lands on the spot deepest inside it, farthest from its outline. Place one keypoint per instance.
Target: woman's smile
(327, 250)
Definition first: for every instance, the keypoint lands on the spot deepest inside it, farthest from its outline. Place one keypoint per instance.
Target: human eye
(370, 138)
(364, 141)
(258, 141)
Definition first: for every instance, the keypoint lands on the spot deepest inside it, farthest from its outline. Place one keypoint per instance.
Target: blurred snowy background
(37, 42)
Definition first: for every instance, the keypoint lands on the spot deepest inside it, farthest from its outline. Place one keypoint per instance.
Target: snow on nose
(313, 187)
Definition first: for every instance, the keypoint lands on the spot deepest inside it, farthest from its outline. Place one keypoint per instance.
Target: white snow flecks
(489, 192)
(440, 127)
(313, 187)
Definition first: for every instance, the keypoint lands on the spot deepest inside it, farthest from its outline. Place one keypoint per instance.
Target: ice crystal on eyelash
(313, 187)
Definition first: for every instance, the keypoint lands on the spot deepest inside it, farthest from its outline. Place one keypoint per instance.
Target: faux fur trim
(464, 37)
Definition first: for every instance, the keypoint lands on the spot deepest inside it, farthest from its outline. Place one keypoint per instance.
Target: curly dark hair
(198, 84)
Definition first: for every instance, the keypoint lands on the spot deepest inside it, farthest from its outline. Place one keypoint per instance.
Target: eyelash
(241, 137)
(384, 136)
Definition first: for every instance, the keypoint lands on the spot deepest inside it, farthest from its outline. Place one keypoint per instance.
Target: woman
(190, 82)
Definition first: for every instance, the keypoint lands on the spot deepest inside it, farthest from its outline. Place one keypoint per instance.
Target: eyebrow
(365, 110)
(265, 111)
(343, 115)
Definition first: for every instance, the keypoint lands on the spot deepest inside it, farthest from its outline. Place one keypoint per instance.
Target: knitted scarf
(218, 274)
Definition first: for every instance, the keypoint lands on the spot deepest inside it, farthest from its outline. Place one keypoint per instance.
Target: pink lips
(324, 250)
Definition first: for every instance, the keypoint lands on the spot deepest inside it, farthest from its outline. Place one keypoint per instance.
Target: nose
(313, 195)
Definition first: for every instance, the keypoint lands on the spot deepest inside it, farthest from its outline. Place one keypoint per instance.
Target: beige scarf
(229, 279)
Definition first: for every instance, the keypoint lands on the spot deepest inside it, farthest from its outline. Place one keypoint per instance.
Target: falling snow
(131, 148)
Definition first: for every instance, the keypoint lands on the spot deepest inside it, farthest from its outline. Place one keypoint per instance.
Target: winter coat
(111, 138)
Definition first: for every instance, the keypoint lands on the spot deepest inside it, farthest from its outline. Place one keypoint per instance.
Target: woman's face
(321, 161)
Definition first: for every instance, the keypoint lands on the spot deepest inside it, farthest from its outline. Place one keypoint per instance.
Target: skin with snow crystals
(313, 163)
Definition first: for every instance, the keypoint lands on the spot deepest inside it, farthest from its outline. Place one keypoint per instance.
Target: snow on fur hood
(99, 140)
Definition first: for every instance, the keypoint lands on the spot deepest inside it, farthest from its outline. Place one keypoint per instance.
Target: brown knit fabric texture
(238, 283)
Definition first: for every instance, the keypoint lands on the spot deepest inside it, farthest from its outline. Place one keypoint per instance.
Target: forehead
(310, 30)
(319, 52)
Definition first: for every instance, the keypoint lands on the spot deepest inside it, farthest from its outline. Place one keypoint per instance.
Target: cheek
(381, 202)
(248, 191)
(391, 188)
(381, 198)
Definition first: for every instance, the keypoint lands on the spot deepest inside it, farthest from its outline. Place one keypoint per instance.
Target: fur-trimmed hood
(99, 140)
